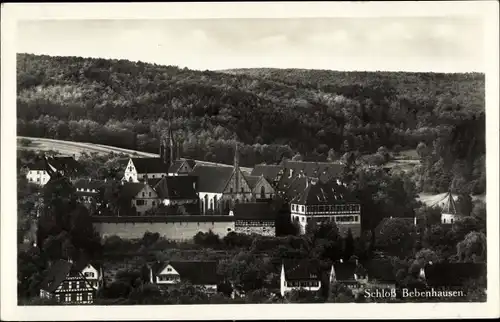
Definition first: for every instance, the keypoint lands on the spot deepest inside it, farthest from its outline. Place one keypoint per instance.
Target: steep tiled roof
(55, 275)
(196, 272)
(453, 274)
(212, 178)
(344, 271)
(323, 193)
(252, 180)
(67, 164)
(254, 211)
(270, 172)
(130, 189)
(89, 184)
(38, 165)
(176, 165)
(177, 187)
(321, 170)
(303, 269)
(149, 165)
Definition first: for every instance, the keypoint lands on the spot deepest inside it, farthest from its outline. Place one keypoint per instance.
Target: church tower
(168, 147)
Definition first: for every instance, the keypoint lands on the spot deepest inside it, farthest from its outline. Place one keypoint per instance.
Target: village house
(220, 188)
(326, 202)
(349, 273)
(303, 275)
(37, 173)
(40, 172)
(89, 191)
(201, 274)
(254, 218)
(449, 213)
(177, 190)
(67, 284)
(137, 198)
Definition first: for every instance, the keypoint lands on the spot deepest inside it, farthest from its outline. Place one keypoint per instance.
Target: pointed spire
(236, 155)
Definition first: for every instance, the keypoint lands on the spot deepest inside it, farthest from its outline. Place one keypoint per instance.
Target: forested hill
(275, 113)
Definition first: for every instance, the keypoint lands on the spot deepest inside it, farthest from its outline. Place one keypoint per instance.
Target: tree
(332, 155)
(348, 245)
(396, 235)
(422, 150)
(464, 204)
(472, 248)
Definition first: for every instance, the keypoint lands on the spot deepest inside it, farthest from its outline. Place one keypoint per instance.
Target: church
(221, 188)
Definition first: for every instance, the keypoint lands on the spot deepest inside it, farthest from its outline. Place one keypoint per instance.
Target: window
(231, 190)
(70, 285)
(37, 179)
(153, 176)
(79, 297)
(67, 297)
(293, 207)
(154, 203)
(89, 296)
(301, 208)
(143, 194)
(149, 194)
(58, 297)
(89, 274)
(169, 269)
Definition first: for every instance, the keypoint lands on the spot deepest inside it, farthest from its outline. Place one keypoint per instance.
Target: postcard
(266, 160)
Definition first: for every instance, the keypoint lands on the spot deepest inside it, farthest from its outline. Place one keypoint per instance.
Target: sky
(427, 44)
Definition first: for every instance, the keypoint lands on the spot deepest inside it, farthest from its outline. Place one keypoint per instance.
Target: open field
(438, 199)
(76, 148)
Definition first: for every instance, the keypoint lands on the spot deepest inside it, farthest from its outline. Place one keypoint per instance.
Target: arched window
(215, 206)
(211, 204)
(206, 204)
(262, 192)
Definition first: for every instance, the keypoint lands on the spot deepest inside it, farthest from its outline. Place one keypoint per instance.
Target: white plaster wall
(40, 177)
(173, 231)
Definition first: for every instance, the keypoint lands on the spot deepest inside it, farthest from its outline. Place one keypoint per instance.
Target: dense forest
(274, 113)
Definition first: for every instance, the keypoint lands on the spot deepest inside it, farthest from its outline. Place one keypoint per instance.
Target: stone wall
(168, 230)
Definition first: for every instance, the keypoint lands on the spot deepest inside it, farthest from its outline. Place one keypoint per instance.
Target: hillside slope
(274, 113)
(76, 148)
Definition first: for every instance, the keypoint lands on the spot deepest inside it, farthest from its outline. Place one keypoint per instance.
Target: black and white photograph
(212, 155)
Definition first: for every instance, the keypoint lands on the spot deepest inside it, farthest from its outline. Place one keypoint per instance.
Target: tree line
(274, 113)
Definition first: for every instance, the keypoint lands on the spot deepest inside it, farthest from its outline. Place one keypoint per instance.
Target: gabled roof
(89, 184)
(301, 270)
(196, 272)
(66, 164)
(323, 194)
(38, 165)
(270, 172)
(252, 180)
(191, 163)
(212, 178)
(453, 274)
(320, 170)
(450, 206)
(175, 166)
(149, 165)
(344, 271)
(254, 211)
(130, 189)
(55, 275)
(177, 187)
